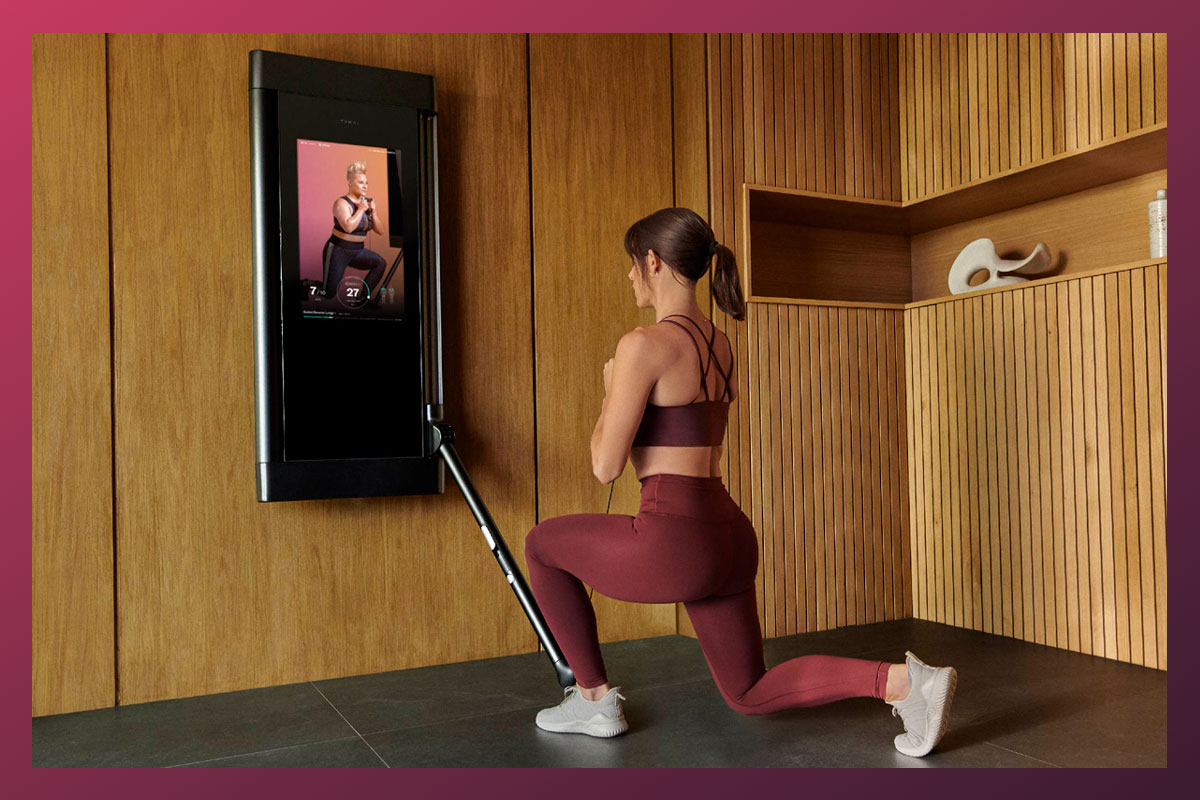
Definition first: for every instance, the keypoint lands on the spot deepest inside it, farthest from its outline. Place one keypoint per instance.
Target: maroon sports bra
(693, 424)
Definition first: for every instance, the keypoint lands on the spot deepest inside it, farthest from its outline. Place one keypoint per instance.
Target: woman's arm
(349, 219)
(374, 219)
(635, 370)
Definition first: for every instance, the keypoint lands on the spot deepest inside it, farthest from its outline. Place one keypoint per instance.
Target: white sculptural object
(980, 255)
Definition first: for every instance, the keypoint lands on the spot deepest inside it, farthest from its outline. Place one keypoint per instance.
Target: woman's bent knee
(532, 543)
(535, 543)
(737, 705)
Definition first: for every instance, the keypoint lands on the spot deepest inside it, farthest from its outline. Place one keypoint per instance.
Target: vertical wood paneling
(1107, 83)
(1066, 381)
(924, 387)
(73, 616)
(825, 450)
(1006, 104)
(975, 105)
(1145, 48)
(1041, 505)
(1007, 409)
(954, 598)
(1009, 476)
(831, 474)
(1051, 442)
(1156, 361)
(997, 510)
(1095, 90)
(1160, 77)
(812, 452)
(943, 599)
(1048, 88)
(887, 467)
(1120, 85)
(1066, 419)
(910, 370)
(1035, 592)
(904, 579)
(1084, 483)
(1082, 120)
(217, 592)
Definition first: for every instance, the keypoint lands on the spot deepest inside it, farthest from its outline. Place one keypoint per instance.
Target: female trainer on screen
(353, 216)
(666, 404)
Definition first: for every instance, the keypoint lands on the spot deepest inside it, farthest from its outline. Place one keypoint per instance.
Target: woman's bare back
(680, 385)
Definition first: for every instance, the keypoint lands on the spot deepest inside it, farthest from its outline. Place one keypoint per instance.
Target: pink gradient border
(616, 15)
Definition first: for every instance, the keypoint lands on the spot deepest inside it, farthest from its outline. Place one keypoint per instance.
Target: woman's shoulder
(659, 338)
(644, 343)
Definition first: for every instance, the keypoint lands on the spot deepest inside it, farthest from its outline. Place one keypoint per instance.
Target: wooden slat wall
(1037, 430)
(975, 105)
(817, 112)
(826, 403)
(73, 625)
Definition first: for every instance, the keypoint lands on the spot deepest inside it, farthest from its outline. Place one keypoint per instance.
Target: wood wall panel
(216, 591)
(1049, 524)
(593, 103)
(815, 263)
(818, 112)
(73, 617)
(696, 131)
(825, 404)
(976, 105)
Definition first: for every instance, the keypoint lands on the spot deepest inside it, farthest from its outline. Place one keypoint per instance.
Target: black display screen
(352, 368)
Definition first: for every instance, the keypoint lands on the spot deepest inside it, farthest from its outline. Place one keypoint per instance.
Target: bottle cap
(1162, 194)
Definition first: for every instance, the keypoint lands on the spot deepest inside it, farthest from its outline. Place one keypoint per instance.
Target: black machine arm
(443, 444)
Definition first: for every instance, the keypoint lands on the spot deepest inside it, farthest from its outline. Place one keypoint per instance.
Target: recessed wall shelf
(824, 247)
(1130, 265)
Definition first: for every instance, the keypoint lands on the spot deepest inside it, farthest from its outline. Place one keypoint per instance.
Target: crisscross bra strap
(712, 359)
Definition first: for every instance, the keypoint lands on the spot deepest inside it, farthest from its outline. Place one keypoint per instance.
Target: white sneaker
(603, 718)
(926, 710)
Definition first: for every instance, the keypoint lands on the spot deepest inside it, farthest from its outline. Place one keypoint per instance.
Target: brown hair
(683, 240)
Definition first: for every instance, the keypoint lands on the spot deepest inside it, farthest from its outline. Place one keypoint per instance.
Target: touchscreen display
(351, 263)
(352, 377)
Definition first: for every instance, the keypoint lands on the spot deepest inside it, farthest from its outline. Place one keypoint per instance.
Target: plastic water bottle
(1158, 225)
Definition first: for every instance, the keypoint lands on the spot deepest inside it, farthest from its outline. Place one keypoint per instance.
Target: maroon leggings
(689, 543)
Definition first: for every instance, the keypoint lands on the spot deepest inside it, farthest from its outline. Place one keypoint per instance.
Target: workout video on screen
(347, 266)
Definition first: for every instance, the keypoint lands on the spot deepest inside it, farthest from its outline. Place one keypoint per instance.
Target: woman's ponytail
(726, 286)
(686, 242)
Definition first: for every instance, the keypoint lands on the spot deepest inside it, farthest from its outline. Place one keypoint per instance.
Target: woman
(353, 216)
(666, 403)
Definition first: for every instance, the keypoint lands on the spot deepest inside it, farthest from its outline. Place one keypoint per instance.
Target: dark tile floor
(1018, 705)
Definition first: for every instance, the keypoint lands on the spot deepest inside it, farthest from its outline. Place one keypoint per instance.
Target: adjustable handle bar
(443, 438)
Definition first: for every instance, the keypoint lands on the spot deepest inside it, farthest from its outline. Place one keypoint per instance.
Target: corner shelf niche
(829, 248)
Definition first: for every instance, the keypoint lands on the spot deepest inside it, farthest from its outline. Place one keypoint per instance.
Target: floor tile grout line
(260, 752)
(507, 711)
(1024, 755)
(343, 716)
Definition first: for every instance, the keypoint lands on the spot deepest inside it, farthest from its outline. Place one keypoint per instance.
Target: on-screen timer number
(353, 293)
